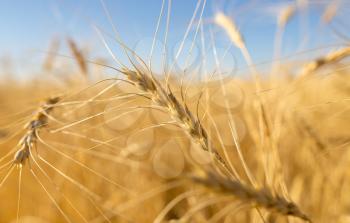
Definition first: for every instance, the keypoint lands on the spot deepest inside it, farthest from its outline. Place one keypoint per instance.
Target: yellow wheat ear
(231, 29)
(330, 12)
(260, 197)
(331, 58)
(78, 56)
(285, 15)
(38, 122)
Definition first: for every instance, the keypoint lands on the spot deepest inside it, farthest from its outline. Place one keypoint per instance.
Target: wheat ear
(262, 198)
(315, 65)
(179, 112)
(78, 55)
(28, 141)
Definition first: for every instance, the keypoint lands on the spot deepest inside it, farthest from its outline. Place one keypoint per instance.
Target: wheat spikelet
(262, 198)
(315, 65)
(231, 29)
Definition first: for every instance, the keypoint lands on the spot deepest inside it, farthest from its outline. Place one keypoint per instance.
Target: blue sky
(28, 26)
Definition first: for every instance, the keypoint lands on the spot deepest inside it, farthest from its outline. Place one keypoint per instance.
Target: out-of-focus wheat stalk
(283, 17)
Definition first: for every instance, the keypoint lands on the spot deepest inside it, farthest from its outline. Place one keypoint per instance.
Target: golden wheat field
(109, 140)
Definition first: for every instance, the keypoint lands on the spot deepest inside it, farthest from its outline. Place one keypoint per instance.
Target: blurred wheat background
(203, 133)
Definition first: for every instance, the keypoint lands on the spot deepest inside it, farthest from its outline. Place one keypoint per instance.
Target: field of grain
(78, 145)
